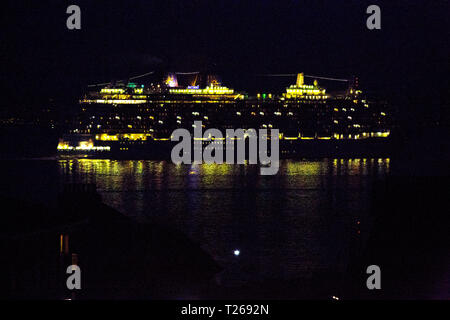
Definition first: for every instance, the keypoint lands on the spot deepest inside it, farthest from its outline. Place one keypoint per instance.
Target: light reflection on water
(113, 175)
(285, 226)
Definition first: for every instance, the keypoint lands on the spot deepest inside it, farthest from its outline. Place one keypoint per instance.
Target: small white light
(335, 298)
(236, 252)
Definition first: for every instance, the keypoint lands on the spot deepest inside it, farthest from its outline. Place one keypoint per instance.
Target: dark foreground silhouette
(118, 257)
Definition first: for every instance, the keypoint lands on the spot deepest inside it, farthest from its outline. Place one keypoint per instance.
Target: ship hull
(314, 148)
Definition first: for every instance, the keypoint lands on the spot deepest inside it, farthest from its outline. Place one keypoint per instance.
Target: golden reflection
(120, 174)
(359, 166)
(303, 168)
(215, 169)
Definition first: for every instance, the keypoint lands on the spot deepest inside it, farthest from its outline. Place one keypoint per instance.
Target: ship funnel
(300, 79)
(171, 80)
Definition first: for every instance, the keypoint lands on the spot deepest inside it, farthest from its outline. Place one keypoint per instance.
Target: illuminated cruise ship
(126, 119)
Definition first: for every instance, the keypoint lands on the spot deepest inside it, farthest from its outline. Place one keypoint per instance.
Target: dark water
(312, 216)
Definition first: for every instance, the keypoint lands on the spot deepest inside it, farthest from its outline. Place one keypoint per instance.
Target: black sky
(406, 61)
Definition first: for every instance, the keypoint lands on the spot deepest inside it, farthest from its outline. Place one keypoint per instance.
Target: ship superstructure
(119, 117)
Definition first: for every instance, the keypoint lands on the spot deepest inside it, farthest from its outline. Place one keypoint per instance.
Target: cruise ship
(131, 120)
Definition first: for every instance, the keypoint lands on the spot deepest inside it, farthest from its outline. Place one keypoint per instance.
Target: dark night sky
(406, 61)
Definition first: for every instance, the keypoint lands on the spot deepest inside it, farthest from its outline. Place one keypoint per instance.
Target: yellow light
(62, 145)
(109, 90)
(114, 101)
